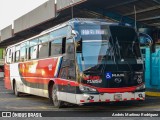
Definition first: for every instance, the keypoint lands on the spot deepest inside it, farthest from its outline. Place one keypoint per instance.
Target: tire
(57, 103)
(16, 91)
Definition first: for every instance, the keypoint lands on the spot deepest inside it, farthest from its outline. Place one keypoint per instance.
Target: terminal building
(144, 15)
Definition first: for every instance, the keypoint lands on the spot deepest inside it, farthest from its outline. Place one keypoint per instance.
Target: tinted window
(33, 42)
(59, 32)
(9, 56)
(43, 39)
(70, 49)
(33, 52)
(23, 54)
(17, 56)
(56, 47)
(43, 50)
(125, 40)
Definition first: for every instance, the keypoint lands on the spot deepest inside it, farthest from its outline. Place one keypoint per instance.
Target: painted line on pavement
(153, 93)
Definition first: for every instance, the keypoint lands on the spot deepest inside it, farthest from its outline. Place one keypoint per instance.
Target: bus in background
(80, 61)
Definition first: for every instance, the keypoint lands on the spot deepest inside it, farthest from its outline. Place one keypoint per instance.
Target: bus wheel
(57, 103)
(16, 91)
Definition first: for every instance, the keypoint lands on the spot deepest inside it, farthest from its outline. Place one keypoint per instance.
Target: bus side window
(9, 56)
(33, 52)
(43, 50)
(43, 38)
(70, 49)
(17, 56)
(59, 32)
(23, 54)
(56, 47)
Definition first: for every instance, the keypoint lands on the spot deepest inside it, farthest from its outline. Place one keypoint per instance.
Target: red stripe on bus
(60, 81)
(113, 90)
(34, 70)
(107, 100)
(82, 101)
(125, 99)
(91, 100)
(7, 81)
(137, 98)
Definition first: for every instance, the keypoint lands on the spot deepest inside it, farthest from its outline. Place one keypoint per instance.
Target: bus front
(109, 62)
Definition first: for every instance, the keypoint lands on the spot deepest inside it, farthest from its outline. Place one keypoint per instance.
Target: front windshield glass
(94, 52)
(125, 42)
(103, 46)
(95, 46)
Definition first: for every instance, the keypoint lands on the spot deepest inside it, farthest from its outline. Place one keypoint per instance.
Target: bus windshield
(104, 46)
(125, 41)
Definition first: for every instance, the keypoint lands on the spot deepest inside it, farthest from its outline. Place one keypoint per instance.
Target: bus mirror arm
(74, 33)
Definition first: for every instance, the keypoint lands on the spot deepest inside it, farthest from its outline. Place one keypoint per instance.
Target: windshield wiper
(118, 46)
(119, 54)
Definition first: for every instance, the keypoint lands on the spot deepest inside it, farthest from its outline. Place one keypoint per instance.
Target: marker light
(87, 89)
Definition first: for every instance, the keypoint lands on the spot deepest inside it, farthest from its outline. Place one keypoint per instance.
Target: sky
(10, 10)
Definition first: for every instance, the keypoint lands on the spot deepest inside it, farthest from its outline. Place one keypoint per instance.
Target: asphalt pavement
(29, 103)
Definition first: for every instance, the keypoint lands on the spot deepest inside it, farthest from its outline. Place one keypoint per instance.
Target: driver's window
(70, 49)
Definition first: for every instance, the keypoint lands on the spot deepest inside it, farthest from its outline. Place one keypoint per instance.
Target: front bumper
(109, 97)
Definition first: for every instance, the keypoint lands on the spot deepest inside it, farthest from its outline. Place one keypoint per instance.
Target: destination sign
(93, 32)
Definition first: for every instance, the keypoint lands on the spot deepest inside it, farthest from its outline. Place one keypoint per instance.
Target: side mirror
(145, 39)
(74, 33)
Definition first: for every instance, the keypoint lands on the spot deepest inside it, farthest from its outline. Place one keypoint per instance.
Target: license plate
(118, 97)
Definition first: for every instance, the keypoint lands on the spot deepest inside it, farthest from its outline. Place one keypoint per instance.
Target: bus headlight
(141, 87)
(87, 89)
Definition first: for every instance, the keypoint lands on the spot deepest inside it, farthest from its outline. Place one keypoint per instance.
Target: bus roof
(71, 22)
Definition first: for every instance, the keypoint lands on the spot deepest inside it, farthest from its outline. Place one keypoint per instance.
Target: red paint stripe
(137, 98)
(117, 100)
(99, 100)
(82, 101)
(125, 99)
(132, 98)
(107, 100)
(91, 100)
(113, 90)
(60, 81)
(7, 81)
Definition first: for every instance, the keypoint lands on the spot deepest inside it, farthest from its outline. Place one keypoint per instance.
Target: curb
(155, 94)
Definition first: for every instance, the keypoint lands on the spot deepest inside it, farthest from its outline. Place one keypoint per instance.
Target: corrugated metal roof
(147, 11)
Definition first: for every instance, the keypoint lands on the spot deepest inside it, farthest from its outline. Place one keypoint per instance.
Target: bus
(80, 61)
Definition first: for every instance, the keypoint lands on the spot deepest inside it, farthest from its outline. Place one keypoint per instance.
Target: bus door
(67, 70)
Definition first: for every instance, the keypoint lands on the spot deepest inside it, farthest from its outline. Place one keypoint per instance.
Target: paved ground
(8, 102)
